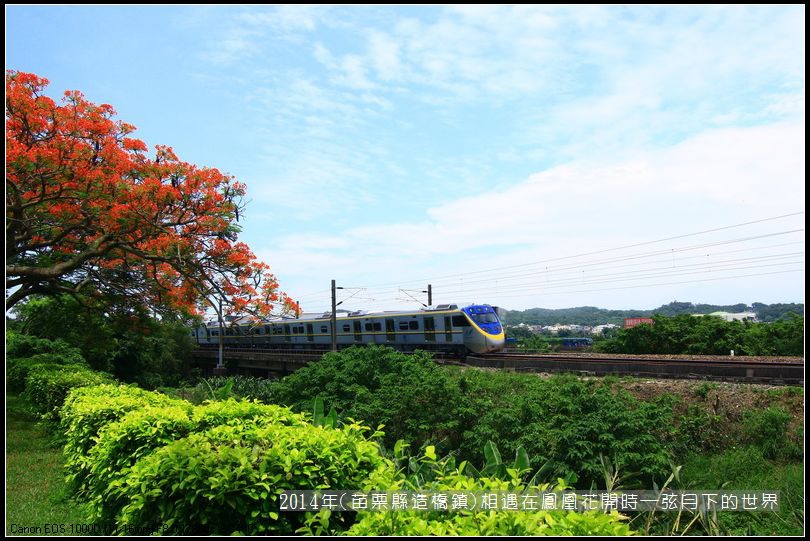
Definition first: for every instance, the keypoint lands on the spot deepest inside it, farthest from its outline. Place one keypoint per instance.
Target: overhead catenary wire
(565, 288)
(547, 271)
(571, 271)
(435, 279)
(551, 274)
(670, 253)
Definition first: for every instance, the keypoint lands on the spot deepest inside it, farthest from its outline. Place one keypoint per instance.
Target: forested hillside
(590, 315)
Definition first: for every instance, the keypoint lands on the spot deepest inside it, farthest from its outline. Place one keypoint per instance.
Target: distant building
(600, 329)
(739, 316)
(630, 322)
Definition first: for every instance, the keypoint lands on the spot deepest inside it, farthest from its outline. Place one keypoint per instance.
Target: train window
(413, 325)
(369, 327)
(310, 334)
(378, 327)
(287, 336)
(403, 325)
(324, 328)
(295, 330)
(358, 331)
(214, 333)
(390, 335)
(485, 318)
(278, 329)
(347, 328)
(460, 321)
(430, 330)
(448, 330)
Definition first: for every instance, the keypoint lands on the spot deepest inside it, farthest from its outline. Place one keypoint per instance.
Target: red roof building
(630, 322)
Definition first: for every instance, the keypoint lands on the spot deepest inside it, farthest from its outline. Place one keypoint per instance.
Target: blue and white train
(445, 328)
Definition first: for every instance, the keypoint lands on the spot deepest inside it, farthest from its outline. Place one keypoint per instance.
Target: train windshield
(485, 318)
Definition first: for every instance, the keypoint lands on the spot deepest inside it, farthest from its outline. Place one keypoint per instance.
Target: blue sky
(518, 156)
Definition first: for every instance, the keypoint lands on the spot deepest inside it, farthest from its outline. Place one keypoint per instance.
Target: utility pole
(430, 295)
(220, 368)
(334, 317)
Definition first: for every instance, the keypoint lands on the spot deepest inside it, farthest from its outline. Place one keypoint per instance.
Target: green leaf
(522, 459)
(317, 411)
(491, 454)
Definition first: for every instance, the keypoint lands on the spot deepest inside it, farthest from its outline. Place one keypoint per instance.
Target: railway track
(782, 372)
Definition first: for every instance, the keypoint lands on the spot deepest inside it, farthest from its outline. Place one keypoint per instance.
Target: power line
(664, 254)
(567, 272)
(595, 252)
(660, 284)
(708, 268)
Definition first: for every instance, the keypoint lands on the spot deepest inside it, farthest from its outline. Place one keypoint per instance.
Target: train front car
(486, 330)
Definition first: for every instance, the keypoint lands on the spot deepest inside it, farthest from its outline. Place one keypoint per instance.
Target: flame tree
(89, 212)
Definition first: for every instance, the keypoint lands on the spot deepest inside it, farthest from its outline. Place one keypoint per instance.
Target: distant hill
(590, 315)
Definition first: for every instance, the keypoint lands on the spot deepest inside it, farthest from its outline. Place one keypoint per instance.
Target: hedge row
(228, 479)
(86, 411)
(152, 464)
(24, 346)
(18, 368)
(145, 460)
(149, 463)
(47, 386)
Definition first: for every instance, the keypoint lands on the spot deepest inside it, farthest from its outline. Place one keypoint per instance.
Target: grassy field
(745, 469)
(37, 502)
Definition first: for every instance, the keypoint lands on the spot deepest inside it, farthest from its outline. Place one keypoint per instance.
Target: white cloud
(286, 19)
(238, 44)
(633, 115)
(385, 56)
(713, 179)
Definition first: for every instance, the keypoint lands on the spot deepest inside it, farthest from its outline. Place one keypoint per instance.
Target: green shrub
(132, 345)
(445, 477)
(122, 443)
(140, 432)
(232, 411)
(48, 386)
(564, 424)
(768, 430)
(18, 368)
(561, 422)
(24, 345)
(699, 430)
(686, 334)
(240, 387)
(17, 371)
(410, 394)
(228, 479)
(87, 410)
